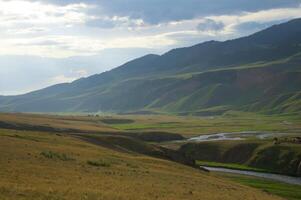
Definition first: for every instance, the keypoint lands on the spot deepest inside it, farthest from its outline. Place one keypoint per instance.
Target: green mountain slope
(261, 72)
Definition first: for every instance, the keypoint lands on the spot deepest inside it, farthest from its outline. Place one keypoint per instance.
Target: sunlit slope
(49, 166)
(258, 73)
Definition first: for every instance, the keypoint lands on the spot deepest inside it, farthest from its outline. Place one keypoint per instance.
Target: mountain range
(257, 73)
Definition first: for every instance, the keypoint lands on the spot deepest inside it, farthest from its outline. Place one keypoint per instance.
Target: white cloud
(105, 22)
(63, 78)
(271, 15)
(17, 12)
(49, 30)
(81, 72)
(26, 30)
(67, 46)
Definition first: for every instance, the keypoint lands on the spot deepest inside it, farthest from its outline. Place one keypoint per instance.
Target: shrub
(54, 155)
(99, 163)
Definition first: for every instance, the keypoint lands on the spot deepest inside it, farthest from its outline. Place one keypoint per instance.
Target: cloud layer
(71, 28)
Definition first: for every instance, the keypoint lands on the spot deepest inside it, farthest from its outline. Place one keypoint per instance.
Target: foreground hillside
(56, 166)
(258, 73)
(134, 156)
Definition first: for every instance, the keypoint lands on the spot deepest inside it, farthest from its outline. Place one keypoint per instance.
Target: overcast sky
(52, 41)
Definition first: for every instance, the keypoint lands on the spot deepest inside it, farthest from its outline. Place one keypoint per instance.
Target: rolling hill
(52, 163)
(258, 73)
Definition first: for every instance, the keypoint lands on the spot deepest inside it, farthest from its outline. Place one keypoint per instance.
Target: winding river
(275, 177)
(234, 136)
(243, 136)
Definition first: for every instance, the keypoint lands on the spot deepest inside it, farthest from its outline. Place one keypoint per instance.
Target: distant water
(234, 136)
(275, 177)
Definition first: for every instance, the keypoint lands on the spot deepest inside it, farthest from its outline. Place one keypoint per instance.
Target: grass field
(39, 165)
(233, 122)
(184, 125)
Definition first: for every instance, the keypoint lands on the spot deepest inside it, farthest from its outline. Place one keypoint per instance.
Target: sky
(45, 42)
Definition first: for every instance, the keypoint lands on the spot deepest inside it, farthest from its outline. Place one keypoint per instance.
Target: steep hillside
(279, 158)
(260, 72)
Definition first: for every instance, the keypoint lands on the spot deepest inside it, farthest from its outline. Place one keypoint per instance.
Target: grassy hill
(38, 164)
(258, 73)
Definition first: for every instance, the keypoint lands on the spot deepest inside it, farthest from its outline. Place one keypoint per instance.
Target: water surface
(275, 177)
(234, 136)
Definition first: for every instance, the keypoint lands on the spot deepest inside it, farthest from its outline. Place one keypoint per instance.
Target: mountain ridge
(168, 82)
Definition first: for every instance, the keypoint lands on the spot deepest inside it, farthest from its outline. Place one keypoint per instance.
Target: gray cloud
(210, 25)
(157, 11)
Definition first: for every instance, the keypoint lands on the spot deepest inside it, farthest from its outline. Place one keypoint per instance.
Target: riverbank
(231, 166)
(269, 176)
(284, 190)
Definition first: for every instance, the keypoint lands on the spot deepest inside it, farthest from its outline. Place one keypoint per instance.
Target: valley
(102, 152)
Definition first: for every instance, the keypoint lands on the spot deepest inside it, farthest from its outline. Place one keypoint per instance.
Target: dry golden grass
(84, 123)
(27, 174)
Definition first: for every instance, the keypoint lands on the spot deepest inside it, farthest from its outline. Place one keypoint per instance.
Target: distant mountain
(261, 72)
